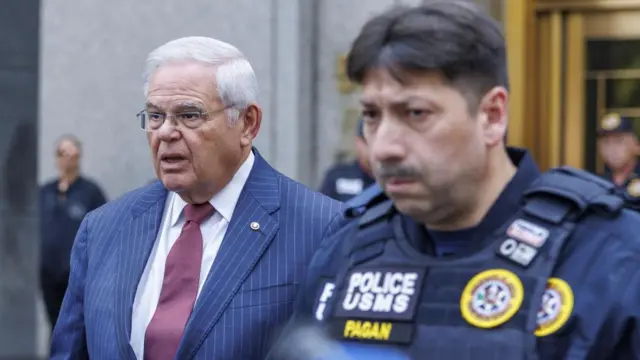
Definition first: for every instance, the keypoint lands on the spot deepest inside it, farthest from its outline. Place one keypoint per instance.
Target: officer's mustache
(385, 172)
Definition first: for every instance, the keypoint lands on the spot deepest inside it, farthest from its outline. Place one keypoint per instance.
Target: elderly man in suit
(206, 262)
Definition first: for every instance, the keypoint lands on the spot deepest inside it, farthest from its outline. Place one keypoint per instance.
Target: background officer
(470, 252)
(618, 146)
(344, 181)
(64, 202)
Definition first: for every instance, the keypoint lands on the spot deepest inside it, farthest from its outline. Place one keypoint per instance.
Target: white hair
(236, 82)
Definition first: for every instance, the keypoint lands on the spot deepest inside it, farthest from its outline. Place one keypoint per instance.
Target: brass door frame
(586, 5)
(613, 24)
(520, 35)
(574, 133)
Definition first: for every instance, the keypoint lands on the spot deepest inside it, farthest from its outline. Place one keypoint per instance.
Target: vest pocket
(556, 345)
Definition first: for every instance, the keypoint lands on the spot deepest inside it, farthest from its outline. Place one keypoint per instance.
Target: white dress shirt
(213, 231)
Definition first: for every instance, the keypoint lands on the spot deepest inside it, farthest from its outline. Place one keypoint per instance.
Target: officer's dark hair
(71, 138)
(455, 38)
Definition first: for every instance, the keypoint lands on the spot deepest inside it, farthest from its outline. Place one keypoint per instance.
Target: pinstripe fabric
(248, 292)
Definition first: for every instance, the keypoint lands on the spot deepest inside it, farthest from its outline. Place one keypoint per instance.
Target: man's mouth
(172, 159)
(399, 181)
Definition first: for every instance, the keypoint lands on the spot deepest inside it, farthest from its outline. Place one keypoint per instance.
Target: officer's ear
(492, 114)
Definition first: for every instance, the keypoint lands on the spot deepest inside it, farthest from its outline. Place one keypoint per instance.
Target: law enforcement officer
(470, 252)
(618, 146)
(63, 204)
(344, 181)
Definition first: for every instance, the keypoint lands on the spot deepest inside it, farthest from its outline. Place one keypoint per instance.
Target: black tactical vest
(494, 304)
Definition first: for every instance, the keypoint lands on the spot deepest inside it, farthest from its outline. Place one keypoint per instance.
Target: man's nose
(167, 131)
(387, 143)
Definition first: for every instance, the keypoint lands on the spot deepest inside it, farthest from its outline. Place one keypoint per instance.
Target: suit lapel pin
(255, 226)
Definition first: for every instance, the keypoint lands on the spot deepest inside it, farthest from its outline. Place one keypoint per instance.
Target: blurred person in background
(205, 262)
(344, 181)
(618, 146)
(63, 204)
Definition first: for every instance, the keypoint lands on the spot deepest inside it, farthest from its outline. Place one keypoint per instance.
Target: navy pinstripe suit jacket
(249, 291)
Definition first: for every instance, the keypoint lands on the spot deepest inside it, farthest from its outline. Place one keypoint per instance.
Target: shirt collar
(224, 201)
(508, 203)
(510, 199)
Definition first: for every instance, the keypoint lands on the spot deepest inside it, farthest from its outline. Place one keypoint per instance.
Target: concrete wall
(93, 52)
(92, 56)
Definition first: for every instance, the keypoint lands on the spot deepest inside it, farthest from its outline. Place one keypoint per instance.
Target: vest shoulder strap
(567, 194)
(370, 197)
(371, 232)
(552, 206)
(366, 240)
(376, 213)
(632, 202)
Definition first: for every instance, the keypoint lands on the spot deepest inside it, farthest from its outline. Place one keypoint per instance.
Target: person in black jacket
(344, 181)
(618, 146)
(64, 202)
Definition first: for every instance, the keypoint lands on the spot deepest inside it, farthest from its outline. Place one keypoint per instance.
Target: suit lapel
(136, 240)
(242, 247)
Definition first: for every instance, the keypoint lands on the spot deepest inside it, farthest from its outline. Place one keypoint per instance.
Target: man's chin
(407, 206)
(174, 182)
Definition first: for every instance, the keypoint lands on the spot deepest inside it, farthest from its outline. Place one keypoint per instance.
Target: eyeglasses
(151, 121)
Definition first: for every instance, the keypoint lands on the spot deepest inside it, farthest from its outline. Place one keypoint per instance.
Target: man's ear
(492, 113)
(251, 119)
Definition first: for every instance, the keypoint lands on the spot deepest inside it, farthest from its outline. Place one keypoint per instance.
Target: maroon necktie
(179, 287)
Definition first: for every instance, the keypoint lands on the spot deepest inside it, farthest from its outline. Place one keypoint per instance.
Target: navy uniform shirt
(344, 181)
(631, 185)
(60, 218)
(611, 124)
(600, 263)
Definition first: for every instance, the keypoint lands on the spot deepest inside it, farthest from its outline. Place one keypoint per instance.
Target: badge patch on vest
(518, 252)
(378, 304)
(528, 232)
(633, 188)
(556, 308)
(524, 242)
(491, 298)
